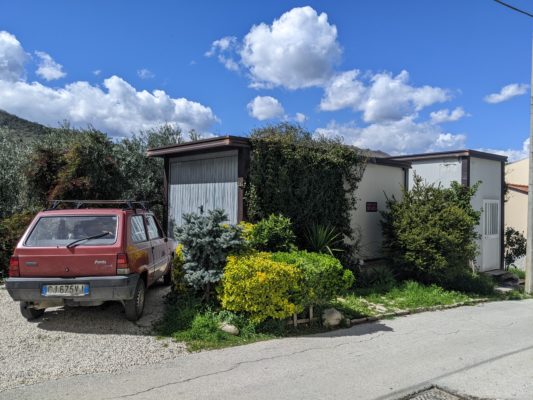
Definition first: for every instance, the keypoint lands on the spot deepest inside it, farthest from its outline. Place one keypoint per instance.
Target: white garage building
(469, 167)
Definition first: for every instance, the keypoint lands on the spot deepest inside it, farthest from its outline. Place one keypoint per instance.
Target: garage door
(208, 182)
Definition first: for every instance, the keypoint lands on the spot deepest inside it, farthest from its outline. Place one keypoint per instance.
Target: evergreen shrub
(273, 234)
(430, 234)
(323, 276)
(207, 241)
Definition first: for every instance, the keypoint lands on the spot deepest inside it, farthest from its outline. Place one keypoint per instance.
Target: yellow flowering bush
(247, 230)
(260, 287)
(177, 269)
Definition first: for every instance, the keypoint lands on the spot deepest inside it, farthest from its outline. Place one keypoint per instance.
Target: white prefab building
(469, 167)
(383, 178)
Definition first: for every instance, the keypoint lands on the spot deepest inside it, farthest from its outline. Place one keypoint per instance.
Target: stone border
(378, 317)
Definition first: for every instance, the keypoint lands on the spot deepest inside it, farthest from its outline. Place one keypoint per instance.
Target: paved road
(484, 351)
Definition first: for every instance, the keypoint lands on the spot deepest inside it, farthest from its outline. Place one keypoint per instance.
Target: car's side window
(138, 233)
(153, 230)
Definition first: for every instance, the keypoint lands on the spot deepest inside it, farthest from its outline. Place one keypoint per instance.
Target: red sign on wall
(371, 206)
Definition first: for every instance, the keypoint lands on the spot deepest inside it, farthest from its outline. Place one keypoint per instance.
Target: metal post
(529, 254)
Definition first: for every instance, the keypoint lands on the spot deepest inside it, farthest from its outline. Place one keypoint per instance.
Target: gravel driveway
(78, 340)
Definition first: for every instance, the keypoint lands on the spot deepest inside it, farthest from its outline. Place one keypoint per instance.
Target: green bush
(324, 239)
(206, 242)
(520, 273)
(469, 282)
(515, 246)
(304, 177)
(273, 234)
(430, 234)
(11, 229)
(262, 288)
(323, 276)
(375, 278)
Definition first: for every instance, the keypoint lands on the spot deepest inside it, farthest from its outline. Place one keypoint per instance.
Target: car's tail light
(14, 266)
(122, 264)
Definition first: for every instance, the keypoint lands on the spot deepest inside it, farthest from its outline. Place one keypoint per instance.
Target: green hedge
(323, 276)
(276, 285)
(309, 179)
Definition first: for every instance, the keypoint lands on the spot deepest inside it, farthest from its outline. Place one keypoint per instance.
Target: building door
(490, 241)
(208, 181)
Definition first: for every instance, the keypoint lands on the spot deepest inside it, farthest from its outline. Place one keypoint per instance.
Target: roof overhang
(451, 154)
(219, 143)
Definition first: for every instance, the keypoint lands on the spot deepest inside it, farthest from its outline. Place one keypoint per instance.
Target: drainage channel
(433, 394)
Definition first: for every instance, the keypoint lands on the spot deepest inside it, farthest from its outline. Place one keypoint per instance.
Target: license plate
(66, 290)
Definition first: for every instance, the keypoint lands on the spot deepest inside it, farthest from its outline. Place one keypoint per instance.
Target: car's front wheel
(134, 308)
(29, 312)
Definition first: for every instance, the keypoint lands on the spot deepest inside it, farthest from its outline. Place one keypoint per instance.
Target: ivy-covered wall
(312, 180)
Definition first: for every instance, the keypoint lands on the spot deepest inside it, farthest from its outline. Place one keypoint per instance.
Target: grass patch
(404, 296)
(518, 272)
(187, 320)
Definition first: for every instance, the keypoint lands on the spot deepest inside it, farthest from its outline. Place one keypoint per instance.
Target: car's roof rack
(124, 204)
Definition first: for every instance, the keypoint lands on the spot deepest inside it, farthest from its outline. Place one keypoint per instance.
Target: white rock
(331, 317)
(229, 328)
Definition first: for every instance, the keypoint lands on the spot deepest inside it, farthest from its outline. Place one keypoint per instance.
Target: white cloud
(265, 107)
(395, 137)
(298, 50)
(47, 68)
(12, 58)
(118, 108)
(344, 91)
(512, 154)
(97, 72)
(445, 115)
(300, 118)
(507, 92)
(224, 48)
(144, 73)
(384, 98)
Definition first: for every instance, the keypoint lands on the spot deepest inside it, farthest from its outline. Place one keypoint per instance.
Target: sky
(398, 76)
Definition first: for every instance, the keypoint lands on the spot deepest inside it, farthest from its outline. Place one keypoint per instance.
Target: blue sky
(400, 76)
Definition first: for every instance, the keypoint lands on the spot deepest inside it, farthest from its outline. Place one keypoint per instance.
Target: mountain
(21, 126)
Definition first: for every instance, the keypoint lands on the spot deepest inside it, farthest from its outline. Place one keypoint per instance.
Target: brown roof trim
(218, 143)
(518, 188)
(389, 162)
(456, 153)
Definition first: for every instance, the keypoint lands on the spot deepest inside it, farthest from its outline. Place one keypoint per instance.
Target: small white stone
(229, 328)
(331, 317)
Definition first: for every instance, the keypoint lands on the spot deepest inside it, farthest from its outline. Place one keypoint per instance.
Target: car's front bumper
(101, 288)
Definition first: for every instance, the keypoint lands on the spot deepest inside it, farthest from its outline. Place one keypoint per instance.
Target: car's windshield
(60, 230)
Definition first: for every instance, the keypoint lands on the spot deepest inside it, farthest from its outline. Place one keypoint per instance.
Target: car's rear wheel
(134, 308)
(29, 312)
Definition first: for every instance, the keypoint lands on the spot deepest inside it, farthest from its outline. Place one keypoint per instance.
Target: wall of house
(445, 171)
(378, 183)
(517, 172)
(489, 172)
(516, 211)
(208, 180)
(516, 202)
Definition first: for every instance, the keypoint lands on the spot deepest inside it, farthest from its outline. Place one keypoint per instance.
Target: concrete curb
(373, 318)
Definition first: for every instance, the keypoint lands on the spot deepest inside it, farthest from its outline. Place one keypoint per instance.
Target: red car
(85, 256)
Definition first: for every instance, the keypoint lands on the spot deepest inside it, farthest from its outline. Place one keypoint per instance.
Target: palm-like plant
(324, 239)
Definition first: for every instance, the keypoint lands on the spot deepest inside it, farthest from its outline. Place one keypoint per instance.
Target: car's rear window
(60, 230)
